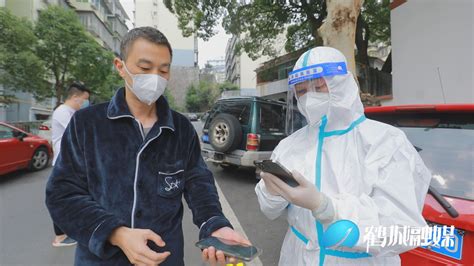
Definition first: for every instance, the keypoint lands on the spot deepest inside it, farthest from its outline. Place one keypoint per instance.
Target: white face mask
(314, 105)
(147, 87)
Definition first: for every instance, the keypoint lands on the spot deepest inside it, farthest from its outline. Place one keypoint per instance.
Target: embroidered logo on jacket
(172, 183)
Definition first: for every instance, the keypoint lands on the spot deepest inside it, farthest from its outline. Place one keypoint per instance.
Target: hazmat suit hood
(345, 105)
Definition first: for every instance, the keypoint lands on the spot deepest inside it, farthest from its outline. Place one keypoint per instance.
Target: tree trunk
(58, 90)
(362, 43)
(339, 29)
(387, 66)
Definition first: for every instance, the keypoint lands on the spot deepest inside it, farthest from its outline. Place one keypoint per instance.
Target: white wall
(248, 76)
(144, 13)
(166, 22)
(274, 87)
(428, 36)
(154, 13)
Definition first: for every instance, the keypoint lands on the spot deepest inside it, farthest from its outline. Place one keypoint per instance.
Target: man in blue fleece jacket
(124, 165)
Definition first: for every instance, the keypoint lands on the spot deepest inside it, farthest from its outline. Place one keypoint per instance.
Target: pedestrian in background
(77, 98)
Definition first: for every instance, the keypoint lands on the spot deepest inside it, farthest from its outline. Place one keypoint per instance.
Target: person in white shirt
(77, 98)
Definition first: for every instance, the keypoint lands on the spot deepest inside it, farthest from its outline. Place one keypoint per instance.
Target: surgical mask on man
(85, 104)
(147, 87)
(313, 105)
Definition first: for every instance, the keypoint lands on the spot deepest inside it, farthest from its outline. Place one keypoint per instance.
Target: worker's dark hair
(148, 33)
(77, 88)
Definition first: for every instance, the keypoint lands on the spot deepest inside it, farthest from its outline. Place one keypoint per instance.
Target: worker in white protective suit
(348, 167)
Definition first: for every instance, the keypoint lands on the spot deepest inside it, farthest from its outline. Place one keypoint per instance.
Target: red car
(444, 137)
(19, 149)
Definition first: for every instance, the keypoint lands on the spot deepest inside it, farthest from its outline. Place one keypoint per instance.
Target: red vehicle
(19, 149)
(444, 137)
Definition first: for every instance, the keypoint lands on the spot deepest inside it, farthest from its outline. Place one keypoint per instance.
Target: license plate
(453, 251)
(218, 156)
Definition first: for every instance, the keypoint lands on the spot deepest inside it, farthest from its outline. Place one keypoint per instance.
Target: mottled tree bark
(339, 28)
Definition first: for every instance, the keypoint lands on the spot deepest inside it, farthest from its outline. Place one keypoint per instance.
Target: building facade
(240, 68)
(272, 76)
(103, 19)
(433, 58)
(184, 67)
(216, 69)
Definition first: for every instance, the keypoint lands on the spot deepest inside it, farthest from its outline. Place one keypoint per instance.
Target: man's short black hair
(148, 33)
(77, 88)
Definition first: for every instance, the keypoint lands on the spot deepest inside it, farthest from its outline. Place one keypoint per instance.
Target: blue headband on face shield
(316, 71)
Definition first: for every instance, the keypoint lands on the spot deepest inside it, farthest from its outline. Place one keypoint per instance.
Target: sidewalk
(192, 254)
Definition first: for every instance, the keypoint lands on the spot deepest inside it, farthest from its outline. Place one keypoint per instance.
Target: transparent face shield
(308, 81)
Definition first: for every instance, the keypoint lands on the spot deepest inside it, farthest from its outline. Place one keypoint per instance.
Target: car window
(449, 154)
(212, 113)
(298, 120)
(6, 132)
(240, 110)
(445, 142)
(272, 118)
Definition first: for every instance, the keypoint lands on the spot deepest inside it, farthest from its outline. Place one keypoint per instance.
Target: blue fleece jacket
(108, 174)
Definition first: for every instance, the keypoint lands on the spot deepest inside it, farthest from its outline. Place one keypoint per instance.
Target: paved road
(238, 187)
(26, 231)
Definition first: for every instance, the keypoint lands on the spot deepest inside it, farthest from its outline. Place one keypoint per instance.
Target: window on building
(285, 69)
(274, 73)
(95, 3)
(267, 75)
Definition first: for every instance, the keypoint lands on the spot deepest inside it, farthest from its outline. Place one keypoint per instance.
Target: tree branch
(315, 23)
(309, 14)
(294, 5)
(66, 63)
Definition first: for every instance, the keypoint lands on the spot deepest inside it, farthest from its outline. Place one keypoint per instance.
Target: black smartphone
(277, 170)
(230, 248)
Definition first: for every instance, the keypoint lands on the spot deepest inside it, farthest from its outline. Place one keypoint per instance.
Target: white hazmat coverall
(369, 171)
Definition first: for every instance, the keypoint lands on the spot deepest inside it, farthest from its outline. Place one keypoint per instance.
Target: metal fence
(374, 81)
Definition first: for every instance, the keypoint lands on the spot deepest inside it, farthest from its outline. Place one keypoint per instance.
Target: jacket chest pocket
(171, 180)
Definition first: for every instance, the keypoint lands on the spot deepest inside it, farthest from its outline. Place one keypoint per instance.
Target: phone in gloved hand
(277, 170)
(230, 248)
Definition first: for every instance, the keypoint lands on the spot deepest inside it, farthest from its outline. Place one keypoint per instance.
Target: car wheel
(229, 167)
(40, 159)
(225, 133)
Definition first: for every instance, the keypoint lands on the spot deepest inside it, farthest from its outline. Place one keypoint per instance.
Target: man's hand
(133, 242)
(305, 195)
(217, 257)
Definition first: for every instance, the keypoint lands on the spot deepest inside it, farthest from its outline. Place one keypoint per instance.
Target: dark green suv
(239, 131)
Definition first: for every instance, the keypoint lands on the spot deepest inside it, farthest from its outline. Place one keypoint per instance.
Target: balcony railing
(97, 28)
